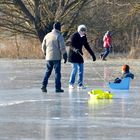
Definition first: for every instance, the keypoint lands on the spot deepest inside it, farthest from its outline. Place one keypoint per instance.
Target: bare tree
(36, 17)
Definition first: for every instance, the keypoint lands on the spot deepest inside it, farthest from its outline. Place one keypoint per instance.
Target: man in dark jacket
(78, 40)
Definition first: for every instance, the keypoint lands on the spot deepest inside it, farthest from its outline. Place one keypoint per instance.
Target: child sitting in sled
(125, 73)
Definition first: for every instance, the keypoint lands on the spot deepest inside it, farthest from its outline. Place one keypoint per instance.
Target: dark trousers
(56, 65)
(105, 53)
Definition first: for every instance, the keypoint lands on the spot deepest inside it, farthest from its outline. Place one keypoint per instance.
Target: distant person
(78, 40)
(106, 45)
(125, 73)
(53, 47)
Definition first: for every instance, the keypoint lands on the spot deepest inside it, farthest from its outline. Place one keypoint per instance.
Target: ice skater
(106, 45)
(78, 40)
(53, 47)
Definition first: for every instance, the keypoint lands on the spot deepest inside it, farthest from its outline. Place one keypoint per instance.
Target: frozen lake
(28, 114)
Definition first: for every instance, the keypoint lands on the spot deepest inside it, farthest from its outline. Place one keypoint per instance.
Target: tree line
(35, 18)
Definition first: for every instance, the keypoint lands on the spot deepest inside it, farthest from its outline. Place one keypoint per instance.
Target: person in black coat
(78, 40)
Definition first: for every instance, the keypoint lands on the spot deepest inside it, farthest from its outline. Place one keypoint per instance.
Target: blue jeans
(56, 64)
(106, 52)
(77, 67)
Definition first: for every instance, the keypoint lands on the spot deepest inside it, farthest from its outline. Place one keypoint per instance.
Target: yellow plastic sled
(100, 94)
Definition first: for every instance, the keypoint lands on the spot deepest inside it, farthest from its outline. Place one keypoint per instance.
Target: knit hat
(125, 68)
(81, 28)
(57, 26)
(108, 33)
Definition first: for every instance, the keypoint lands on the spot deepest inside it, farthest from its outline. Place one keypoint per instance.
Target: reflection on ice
(27, 113)
(92, 102)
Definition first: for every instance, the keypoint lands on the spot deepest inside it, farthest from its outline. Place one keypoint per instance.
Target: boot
(43, 88)
(101, 56)
(59, 90)
(103, 59)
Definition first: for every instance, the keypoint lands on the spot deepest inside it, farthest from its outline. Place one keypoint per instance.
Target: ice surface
(28, 114)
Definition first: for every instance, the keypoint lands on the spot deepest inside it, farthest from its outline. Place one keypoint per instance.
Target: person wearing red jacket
(106, 45)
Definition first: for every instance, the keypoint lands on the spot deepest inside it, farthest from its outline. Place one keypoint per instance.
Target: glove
(65, 57)
(93, 57)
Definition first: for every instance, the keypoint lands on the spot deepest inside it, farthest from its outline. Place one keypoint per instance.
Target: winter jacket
(107, 41)
(53, 45)
(125, 75)
(128, 74)
(77, 42)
